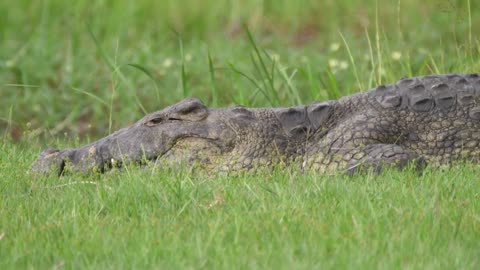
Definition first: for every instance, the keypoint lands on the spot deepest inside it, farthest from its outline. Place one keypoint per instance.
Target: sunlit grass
(274, 219)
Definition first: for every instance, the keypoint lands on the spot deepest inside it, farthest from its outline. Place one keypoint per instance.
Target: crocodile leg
(377, 157)
(360, 144)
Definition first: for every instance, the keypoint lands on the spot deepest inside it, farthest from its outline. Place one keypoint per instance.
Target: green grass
(71, 73)
(282, 219)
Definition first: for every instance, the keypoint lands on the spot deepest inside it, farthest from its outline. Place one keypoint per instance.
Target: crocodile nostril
(49, 153)
(61, 168)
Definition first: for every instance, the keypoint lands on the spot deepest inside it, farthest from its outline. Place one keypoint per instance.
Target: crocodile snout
(50, 161)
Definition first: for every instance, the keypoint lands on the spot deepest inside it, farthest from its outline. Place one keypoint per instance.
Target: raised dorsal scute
(292, 117)
(242, 112)
(319, 113)
(421, 103)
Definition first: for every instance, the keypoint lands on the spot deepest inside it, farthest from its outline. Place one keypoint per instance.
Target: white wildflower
(334, 47)
(396, 55)
(10, 63)
(275, 57)
(167, 62)
(333, 63)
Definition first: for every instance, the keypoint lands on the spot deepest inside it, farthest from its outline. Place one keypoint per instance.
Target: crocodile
(432, 119)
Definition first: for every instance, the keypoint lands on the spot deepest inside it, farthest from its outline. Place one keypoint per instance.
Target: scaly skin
(432, 119)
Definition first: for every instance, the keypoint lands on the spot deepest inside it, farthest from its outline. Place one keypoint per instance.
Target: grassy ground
(71, 73)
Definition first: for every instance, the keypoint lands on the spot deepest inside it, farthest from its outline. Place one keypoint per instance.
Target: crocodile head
(188, 132)
(184, 132)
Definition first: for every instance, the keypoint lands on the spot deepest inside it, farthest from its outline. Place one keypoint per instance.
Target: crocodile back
(433, 93)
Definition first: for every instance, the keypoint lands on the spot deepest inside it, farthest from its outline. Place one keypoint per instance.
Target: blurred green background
(84, 68)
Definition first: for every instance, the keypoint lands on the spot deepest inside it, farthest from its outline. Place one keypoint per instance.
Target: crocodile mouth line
(119, 163)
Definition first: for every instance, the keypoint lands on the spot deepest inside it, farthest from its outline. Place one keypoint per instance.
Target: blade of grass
(211, 70)
(9, 121)
(22, 85)
(259, 71)
(113, 68)
(399, 24)
(263, 67)
(183, 74)
(257, 51)
(271, 76)
(434, 64)
(113, 83)
(470, 43)
(273, 66)
(372, 60)
(379, 52)
(331, 85)
(97, 98)
(74, 113)
(150, 75)
(289, 82)
(232, 67)
(352, 61)
(313, 84)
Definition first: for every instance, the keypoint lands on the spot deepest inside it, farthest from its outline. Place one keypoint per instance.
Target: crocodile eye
(160, 120)
(154, 122)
